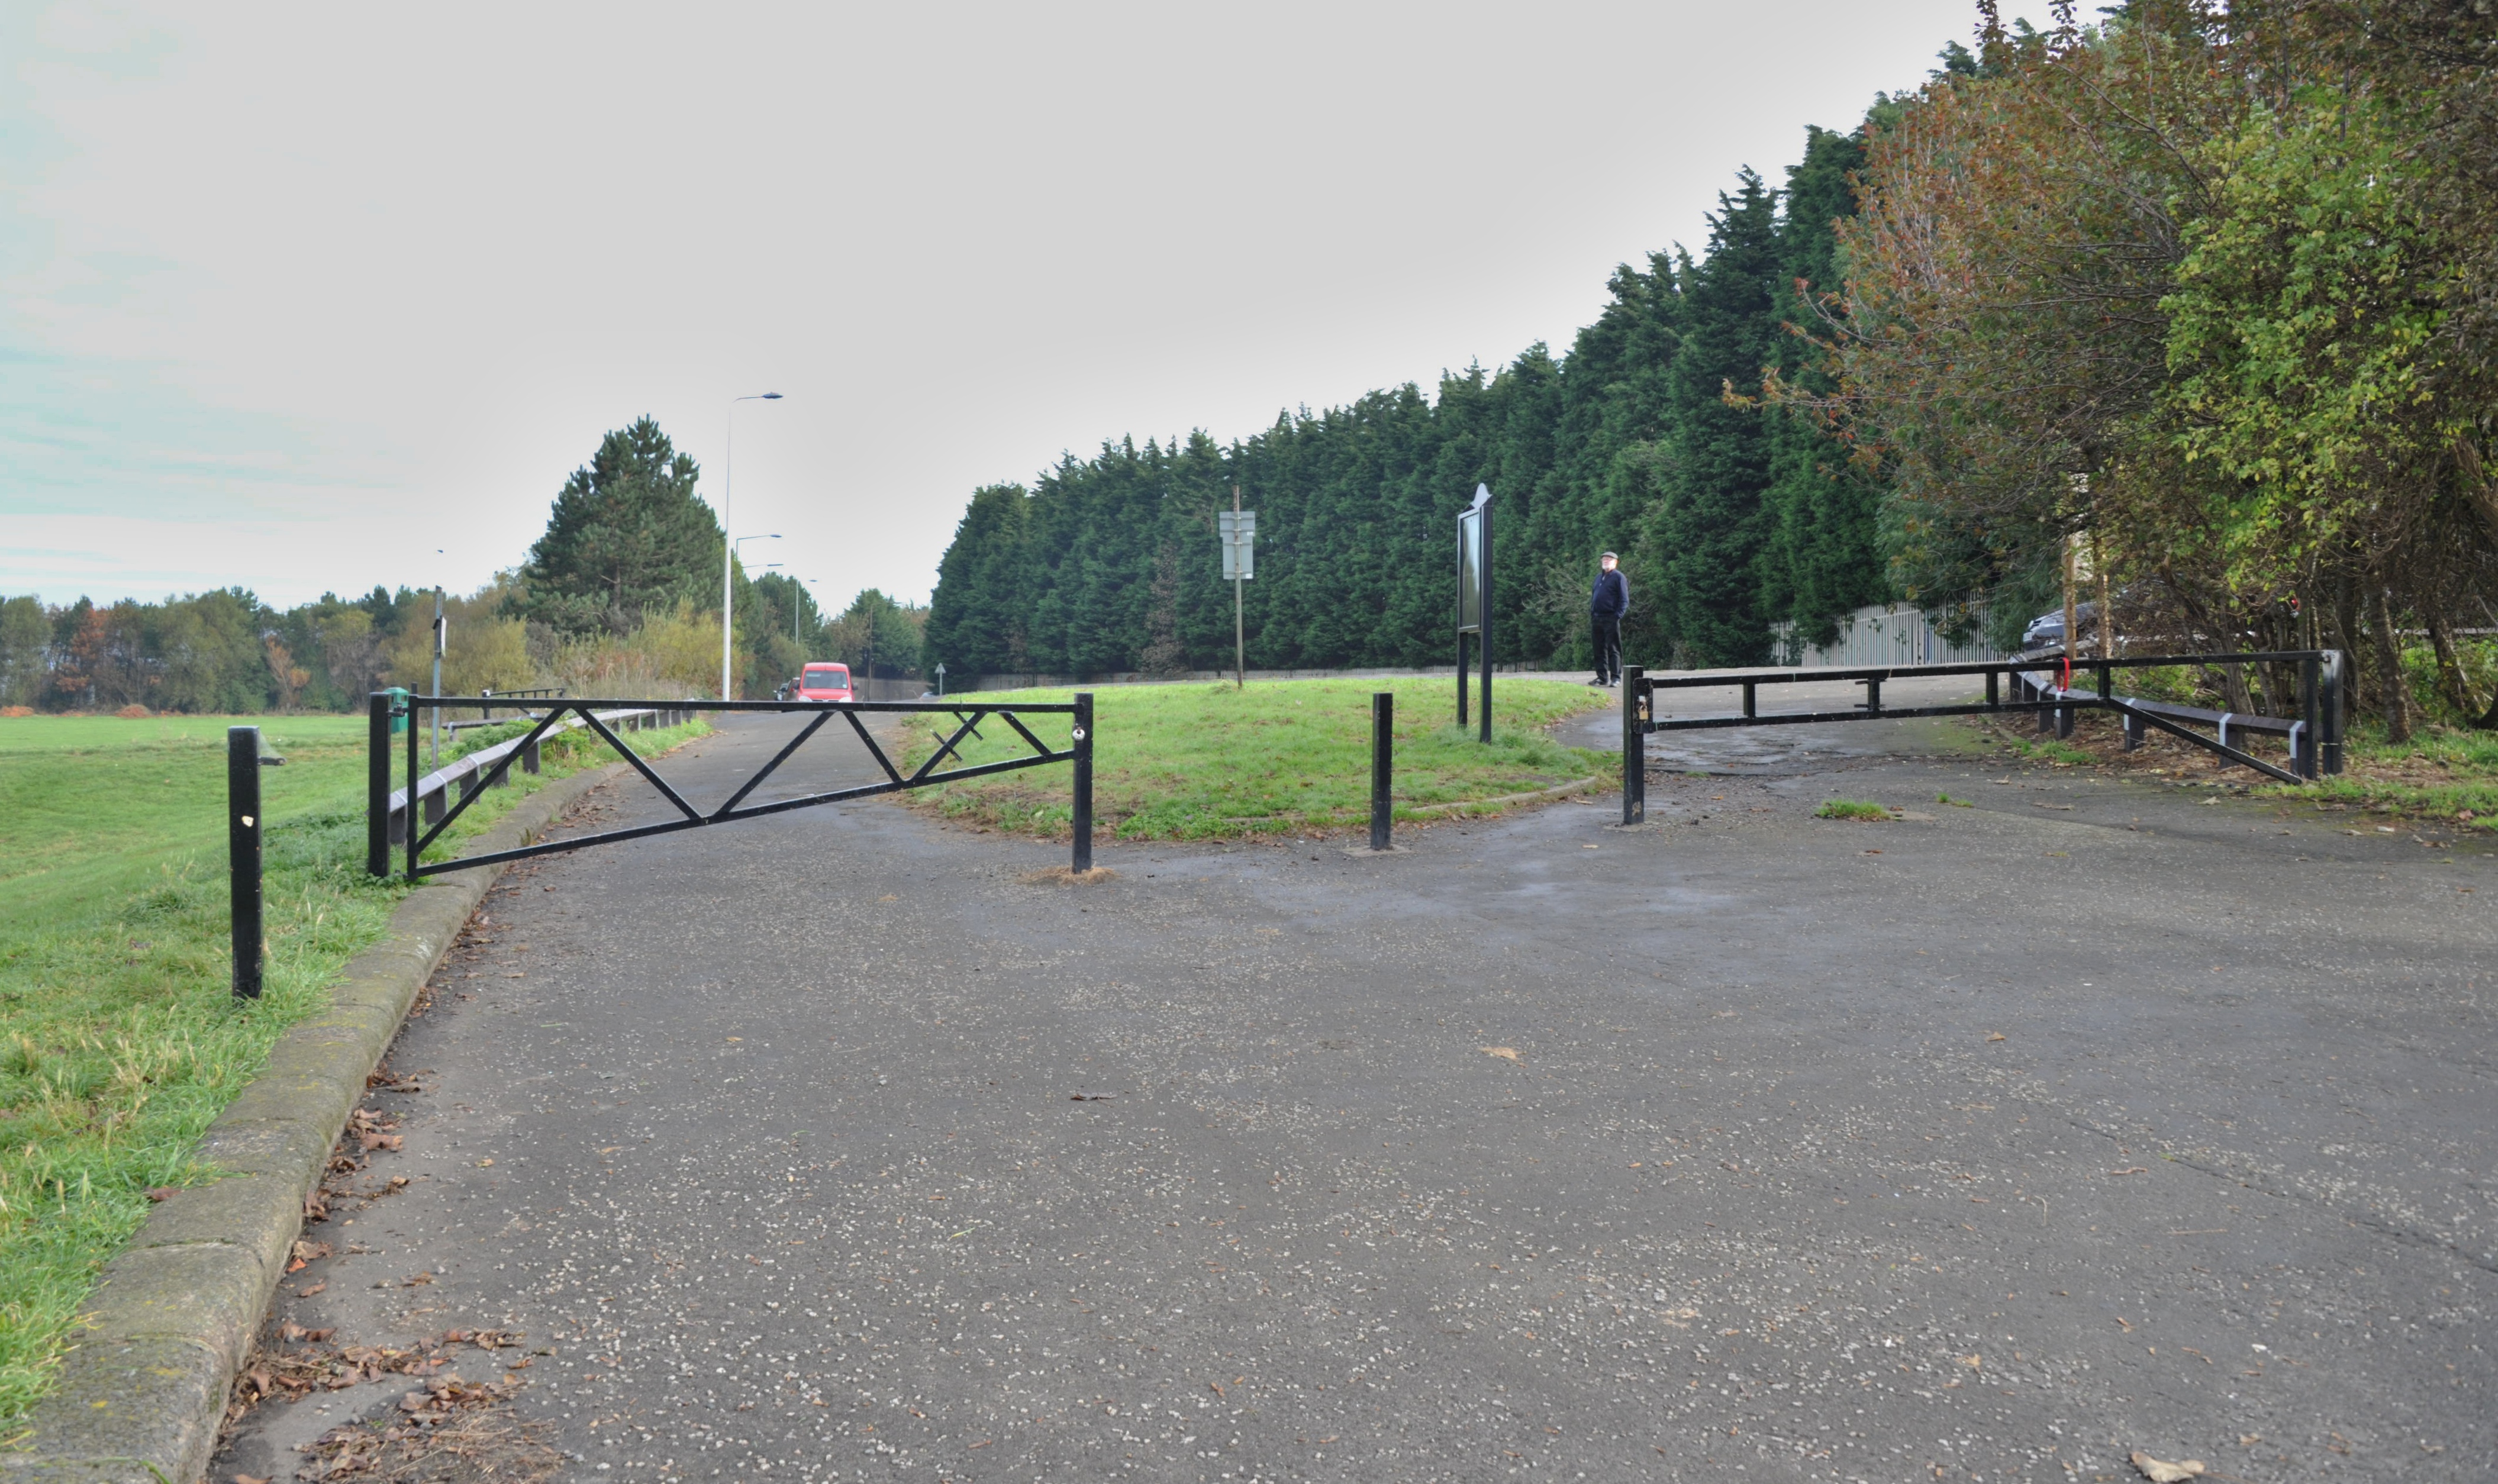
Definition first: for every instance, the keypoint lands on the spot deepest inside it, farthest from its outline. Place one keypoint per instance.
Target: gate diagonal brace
(644, 769)
(944, 745)
(494, 779)
(873, 750)
(2154, 718)
(729, 808)
(692, 818)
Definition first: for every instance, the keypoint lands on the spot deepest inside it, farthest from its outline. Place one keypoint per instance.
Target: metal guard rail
(464, 770)
(2314, 735)
(489, 768)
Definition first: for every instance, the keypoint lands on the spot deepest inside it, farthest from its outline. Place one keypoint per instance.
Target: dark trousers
(1609, 647)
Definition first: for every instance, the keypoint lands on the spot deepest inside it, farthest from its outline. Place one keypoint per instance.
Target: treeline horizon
(620, 597)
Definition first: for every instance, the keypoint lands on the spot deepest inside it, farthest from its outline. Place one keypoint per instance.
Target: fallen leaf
(306, 1293)
(1997, 1036)
(162, 1192)
(2159, 1472)
(1505, 1053)
(1973, 1362)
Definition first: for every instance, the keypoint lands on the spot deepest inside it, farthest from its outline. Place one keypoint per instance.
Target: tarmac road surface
(1993, 1142)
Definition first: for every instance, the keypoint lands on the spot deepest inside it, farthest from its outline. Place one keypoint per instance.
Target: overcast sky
(293, 296)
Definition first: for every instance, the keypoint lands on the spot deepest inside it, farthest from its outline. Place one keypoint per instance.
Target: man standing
(1606, 605)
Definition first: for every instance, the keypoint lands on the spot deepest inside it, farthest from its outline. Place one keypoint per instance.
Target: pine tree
(1709, 532)
(1825, 558)
(627, 535)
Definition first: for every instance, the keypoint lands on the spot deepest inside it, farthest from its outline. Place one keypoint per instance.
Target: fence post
(1634, 746)
(377, 761)
(413, 830)
(1083, 781)
(1383, 741)
(242, 854)
(2304, 761)
(2328, 704)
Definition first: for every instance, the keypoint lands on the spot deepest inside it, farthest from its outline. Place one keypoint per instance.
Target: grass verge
(2446, 774)
(2442, 773)
(1850, 808)
(1209, 762)
(119, 1041)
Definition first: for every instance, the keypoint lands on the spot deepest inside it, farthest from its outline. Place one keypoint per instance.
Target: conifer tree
(1710, 531)
(627, 535)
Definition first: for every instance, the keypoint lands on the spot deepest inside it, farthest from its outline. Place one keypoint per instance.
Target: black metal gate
(393, 816)
(2042, 686)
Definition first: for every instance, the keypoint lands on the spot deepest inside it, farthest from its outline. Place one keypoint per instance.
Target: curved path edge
(144, 1391)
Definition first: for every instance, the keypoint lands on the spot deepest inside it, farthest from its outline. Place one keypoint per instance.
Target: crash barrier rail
(518, 700)
(478, 769)
(2038, 683)
(489, 767)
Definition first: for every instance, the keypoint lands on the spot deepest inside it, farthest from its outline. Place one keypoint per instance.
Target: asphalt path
(1997, 1141)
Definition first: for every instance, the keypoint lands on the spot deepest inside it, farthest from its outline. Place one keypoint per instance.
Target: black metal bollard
(242, 854)
(2330, 712)
(1083, 781)
(1383, 760)
(408, 837)
(1634, 746)
(377, 761)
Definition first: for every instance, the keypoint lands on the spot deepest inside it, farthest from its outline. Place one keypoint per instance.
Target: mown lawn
(1201, 761)
(119, 1041)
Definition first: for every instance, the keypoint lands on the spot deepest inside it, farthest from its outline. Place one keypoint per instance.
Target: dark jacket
(1612, 597)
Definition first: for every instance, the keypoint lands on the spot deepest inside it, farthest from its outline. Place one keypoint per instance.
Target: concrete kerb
(144, 1392)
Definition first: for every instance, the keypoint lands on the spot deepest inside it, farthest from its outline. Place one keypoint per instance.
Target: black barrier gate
(2042, 686)
(489, 768)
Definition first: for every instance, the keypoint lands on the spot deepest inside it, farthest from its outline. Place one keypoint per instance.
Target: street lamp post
(729, 548)
(723, 609)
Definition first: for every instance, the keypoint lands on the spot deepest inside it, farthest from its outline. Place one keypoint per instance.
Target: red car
(826, 682)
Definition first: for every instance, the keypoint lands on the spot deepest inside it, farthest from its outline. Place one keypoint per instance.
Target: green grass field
(119, 1041)
(1200, 761)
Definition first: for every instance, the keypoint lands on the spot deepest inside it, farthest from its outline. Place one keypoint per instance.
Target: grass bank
(1201, 761)
(2442, 773)
(119, 1042)
(2446, 774)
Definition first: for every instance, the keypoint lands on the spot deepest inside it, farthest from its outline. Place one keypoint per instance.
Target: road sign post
(1239, 530)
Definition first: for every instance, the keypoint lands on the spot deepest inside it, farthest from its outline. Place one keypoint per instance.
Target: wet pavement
(1994, 1141)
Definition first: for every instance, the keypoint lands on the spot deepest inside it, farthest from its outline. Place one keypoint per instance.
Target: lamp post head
(771, 396)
